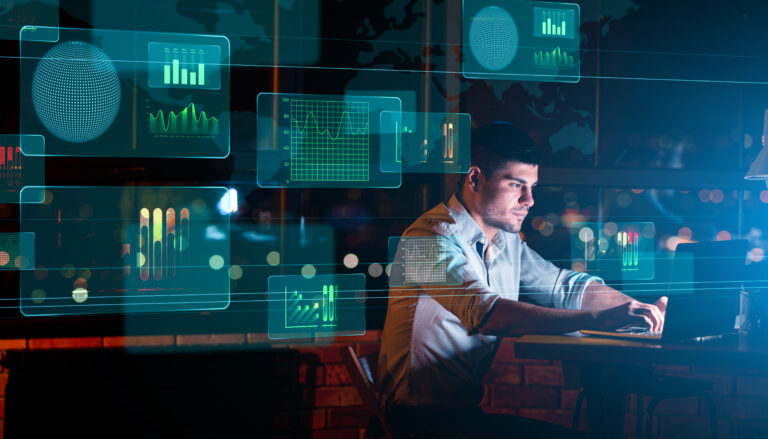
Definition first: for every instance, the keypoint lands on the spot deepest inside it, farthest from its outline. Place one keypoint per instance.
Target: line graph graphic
(185, 123)
(330, 140)
(424, 260)
(9, 251)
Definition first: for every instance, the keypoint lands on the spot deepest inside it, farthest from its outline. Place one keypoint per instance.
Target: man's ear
(473, 178)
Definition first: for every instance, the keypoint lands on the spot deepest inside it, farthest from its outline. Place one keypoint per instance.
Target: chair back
(362, 370)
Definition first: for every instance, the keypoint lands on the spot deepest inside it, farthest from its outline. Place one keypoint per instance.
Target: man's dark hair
(495, 144)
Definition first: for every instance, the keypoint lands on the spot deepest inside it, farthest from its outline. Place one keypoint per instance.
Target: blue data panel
(425, 142)
(325, 305)
(614, 250)
(104, 93)
(322, 141)
(126, 249)
(521, 40)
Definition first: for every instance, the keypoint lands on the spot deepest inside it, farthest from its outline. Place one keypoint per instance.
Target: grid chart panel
(425, 260)
(329, 140)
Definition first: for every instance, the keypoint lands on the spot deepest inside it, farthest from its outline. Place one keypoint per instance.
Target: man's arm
(512, 318)
(600, 296)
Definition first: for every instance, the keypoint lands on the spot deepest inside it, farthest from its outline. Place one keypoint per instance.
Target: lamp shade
(759, 168)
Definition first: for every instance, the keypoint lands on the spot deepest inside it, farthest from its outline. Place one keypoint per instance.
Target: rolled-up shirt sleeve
(470, 299)
(543, 283)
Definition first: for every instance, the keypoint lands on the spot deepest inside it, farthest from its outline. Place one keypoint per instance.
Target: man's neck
(490, 232)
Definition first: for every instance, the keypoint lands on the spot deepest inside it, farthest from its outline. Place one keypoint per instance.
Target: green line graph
(9, 250)
(329, 140)
(186, 123)
(554, 58)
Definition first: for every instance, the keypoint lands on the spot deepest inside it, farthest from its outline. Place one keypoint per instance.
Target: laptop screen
(704, 288)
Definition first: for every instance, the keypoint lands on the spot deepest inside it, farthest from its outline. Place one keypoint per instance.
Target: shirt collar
(471, 231)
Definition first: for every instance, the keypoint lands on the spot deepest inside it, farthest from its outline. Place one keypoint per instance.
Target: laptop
(703, 291)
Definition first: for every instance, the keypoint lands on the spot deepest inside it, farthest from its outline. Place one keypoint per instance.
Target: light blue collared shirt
(431, 353)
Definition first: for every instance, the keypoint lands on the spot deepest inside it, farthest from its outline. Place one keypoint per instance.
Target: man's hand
(633, 313)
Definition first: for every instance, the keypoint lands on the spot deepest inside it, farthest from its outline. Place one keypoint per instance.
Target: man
(439, 341)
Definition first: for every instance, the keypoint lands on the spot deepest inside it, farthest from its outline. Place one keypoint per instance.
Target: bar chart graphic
(311, 309)
(185, 123)
(163, 242)
(559, 23)
(324, 305)
(10, 166)
(628, 244)
(184, 66)
(614, 250)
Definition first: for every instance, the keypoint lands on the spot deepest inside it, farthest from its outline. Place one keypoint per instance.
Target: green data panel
(614, 251)
(14, 14)
(17, 251)
(425, 142)
(20, 167)
(320, 306)
(126, 249)
(521, 41)
(425, 260)
(105, 93)
(322, 141)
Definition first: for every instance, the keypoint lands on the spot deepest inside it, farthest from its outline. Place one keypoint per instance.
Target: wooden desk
(603, 365)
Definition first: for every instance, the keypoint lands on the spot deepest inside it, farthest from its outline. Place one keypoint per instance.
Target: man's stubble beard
(493, 220)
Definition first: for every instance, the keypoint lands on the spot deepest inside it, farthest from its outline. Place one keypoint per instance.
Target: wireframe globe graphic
(76, 91)
(493, 38)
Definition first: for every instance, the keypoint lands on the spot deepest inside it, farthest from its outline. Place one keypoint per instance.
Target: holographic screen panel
(21, 167)
(425, 142)
(105, 93)
(425, 260)
(14, 14)
(107, 250)
(17, 251)
(521, 41)
(320, 306)
(322, 141)
(614, 251)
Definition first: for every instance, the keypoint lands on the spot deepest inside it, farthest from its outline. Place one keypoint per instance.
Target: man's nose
(526, 198)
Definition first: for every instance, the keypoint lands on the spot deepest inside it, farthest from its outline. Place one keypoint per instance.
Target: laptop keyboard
(637, 330)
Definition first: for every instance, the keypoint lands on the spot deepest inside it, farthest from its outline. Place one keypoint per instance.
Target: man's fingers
(654, 314)
(662, 304)
(644, 321)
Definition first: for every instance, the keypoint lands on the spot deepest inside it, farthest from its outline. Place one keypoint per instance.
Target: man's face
(506, 197)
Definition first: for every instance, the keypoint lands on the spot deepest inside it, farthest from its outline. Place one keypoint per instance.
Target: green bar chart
(550, 22)
(184, 66)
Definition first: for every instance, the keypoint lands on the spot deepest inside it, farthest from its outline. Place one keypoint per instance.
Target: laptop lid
(704, 288)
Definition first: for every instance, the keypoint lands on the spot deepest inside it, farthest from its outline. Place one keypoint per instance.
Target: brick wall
(533, 388)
